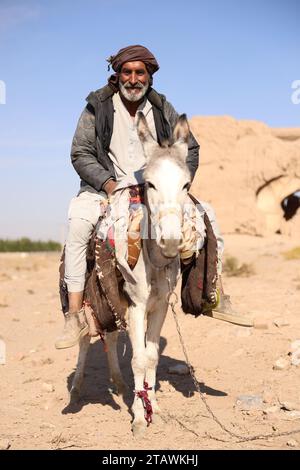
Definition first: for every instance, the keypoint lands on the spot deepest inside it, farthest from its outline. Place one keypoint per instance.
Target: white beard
(133, 96)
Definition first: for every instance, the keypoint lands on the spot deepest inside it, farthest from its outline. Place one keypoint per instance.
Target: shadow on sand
(97, 388)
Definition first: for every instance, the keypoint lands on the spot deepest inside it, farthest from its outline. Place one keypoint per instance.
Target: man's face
(133, 80)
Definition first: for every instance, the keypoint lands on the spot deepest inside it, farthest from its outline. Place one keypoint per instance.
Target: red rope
(143, 395)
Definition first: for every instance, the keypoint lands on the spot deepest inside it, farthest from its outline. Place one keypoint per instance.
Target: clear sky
(217, 57)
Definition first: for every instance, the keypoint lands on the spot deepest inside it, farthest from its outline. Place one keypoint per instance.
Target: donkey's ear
(182, 131)
(181, 135)
(144, 133)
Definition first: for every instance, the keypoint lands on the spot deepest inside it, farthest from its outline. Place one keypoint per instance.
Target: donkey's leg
(78, 378)
(137, 337)
(155, 320)
(113, 362)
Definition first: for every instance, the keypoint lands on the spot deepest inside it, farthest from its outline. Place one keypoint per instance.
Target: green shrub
(27, 245)
(294, 253)
(231, 268)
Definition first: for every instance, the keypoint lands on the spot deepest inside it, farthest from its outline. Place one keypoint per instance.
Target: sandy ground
(229, 361)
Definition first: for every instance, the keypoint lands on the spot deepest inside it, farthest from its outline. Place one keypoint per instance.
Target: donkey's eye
(186, 186)
(150, 185)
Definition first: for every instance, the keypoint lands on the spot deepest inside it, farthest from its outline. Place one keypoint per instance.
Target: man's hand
(109, 187)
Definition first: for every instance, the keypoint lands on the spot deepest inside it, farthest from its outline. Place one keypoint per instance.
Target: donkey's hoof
(139, 428)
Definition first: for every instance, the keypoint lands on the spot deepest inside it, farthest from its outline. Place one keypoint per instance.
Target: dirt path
(229, 361)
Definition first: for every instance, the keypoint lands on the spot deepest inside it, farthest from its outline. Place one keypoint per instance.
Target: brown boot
(75, 328)
(224, 311)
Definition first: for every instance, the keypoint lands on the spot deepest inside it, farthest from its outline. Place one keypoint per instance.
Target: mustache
(139, 86)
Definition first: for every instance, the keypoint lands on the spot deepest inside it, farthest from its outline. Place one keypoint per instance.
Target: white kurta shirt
(126, 151)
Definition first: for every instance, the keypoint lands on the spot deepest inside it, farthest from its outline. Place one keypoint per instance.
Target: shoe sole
(70, 344)
(230, 318)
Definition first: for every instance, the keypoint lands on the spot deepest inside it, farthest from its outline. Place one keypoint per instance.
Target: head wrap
(131, 54)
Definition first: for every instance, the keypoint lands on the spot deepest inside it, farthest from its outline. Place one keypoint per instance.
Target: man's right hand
(109, 187)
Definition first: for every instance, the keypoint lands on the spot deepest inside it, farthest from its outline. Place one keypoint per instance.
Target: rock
(47, 387)
(295, 358)
(179, 369)
(291, 415)
(295, 345)
(4, 444)
(249, 402)
(292, 443)
(271, 410)
(280, 364)
(260, 325)
(280, 322)
(289, 406)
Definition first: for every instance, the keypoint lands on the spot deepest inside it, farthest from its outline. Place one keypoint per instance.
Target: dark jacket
(92, 138)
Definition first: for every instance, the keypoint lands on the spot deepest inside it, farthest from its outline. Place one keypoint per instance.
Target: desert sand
(229, 361)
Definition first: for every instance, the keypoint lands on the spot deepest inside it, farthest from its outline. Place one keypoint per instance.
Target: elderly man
(106, 150)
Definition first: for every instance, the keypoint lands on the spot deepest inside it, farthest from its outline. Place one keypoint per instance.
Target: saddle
(199, 276)
(104, 300)
(105, 312)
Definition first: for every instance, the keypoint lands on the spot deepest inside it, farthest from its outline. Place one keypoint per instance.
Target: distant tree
(27, 245)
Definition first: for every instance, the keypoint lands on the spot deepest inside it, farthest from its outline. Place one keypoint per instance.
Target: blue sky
(217, 57)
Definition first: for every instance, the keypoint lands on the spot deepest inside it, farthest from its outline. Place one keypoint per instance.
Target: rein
(172, 300)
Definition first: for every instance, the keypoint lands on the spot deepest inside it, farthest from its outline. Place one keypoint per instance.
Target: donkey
(167, 180)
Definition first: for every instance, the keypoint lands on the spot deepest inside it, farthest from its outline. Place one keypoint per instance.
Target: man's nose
(133, 78)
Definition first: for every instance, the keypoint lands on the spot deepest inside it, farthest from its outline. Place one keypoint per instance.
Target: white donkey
(167, 180)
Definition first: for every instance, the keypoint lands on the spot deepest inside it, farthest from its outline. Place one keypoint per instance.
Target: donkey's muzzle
(170, 248)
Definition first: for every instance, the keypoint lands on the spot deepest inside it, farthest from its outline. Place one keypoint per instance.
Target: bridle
(160, 214)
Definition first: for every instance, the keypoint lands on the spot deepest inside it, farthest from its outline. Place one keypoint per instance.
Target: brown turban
(133, 54)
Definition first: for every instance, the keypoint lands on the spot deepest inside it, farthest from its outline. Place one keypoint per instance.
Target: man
(106, 151)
